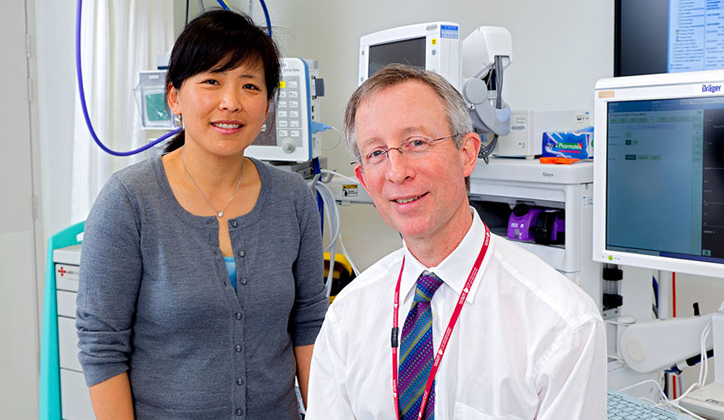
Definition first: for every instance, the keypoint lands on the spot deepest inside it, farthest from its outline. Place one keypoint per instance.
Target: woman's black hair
(221, 40)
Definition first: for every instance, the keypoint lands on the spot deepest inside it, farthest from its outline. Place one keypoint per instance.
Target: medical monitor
(431, 46)
(288, 134)
(667, 36)
(659, 172)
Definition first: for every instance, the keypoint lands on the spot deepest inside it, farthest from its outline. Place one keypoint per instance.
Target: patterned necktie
(416, 353)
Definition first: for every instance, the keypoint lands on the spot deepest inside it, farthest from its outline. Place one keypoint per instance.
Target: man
(526, 343)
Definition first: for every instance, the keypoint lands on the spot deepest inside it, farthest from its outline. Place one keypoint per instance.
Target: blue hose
(81, 92)
(266, 17)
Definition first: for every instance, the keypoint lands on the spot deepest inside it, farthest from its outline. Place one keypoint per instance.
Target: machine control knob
(288, 145)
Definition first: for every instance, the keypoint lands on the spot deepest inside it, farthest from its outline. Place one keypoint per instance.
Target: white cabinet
(495, 188)
(75, 399)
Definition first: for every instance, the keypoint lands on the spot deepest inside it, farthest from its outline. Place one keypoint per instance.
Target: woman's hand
(112, 398)
(303, 354)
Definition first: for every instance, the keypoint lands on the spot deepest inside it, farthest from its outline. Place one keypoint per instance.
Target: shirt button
(243, 281)
(238, 348)
(239, 381)
(238, 315)
(234, 223)
(242, 254)
(239, 412)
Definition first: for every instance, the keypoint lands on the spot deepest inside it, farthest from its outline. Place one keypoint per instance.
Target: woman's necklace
(219, 214)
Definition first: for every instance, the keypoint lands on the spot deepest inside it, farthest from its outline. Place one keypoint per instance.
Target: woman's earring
(178, 120)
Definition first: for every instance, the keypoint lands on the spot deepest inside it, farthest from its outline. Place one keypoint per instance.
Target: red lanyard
(446, 336)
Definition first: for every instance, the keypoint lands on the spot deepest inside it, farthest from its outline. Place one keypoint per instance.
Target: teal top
(231, 269)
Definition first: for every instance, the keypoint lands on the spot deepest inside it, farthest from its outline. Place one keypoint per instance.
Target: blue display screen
(665, 178)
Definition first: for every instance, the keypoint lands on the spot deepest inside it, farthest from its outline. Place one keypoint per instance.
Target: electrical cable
(487, 150)
(81, 90)
(332, 202)
(345, 177)
(655, 304)
(682, 396)
(334, 222)
(84, 107)
(186, 20)
(665, 399)
(704, 368)
(317, 168)
(315, 186)
(658, 385)
(346, 255)
(339, 140)
(334, 228)
(266, 17)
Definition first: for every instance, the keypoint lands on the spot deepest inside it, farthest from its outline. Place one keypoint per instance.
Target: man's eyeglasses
(415, 147)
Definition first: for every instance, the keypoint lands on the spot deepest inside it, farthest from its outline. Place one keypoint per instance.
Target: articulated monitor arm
(653, 346)
(486, 118)
(485, 49)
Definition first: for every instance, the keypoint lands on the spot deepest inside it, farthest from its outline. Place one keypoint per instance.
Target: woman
(201, 287)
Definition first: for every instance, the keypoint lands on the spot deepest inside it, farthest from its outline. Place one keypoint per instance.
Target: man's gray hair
(457, 112)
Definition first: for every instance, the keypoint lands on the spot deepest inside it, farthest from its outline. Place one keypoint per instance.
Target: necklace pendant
(220, 214)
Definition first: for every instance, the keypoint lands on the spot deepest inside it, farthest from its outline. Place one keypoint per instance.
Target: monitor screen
(660, 177)
(433, 46)
(660, 36)
(409, 51)
(665, 188)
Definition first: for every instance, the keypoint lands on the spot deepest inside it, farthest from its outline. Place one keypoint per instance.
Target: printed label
(350, 190)
(448, 31)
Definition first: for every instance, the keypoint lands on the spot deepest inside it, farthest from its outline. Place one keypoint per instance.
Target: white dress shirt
(529, 344)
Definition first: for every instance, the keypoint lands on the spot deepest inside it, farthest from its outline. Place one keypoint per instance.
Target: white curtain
(119, 38)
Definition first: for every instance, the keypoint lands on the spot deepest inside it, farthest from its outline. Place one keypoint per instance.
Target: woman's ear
(173, 100)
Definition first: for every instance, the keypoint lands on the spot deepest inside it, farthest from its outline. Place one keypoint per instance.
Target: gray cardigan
(155, 299)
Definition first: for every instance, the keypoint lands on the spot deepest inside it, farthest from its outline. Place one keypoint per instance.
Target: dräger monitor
(659, 172)
(433, 46)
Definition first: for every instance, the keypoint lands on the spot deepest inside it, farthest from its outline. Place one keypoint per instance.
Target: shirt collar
(455, 268)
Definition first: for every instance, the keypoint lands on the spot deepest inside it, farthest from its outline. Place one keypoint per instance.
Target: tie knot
(427, 285)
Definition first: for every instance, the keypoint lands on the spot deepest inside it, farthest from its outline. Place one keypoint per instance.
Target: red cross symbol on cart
(62, 271)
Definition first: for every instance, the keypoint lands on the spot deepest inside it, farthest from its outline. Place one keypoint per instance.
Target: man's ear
(470, 149)
(360, 174)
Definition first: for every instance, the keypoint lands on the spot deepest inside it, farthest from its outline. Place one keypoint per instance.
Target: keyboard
(624, 407)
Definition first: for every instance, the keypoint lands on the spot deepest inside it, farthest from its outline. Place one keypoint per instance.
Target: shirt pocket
(466, 412)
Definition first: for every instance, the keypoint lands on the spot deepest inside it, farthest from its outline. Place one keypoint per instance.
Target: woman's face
(223, 111)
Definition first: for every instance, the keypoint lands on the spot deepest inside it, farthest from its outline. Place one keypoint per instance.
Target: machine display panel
(665, 178)
(410, 51)
(667, 36)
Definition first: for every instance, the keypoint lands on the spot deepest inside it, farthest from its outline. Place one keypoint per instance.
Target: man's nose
(399, 167)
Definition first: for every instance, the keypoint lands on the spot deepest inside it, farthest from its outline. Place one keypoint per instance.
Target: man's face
(423, 198)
